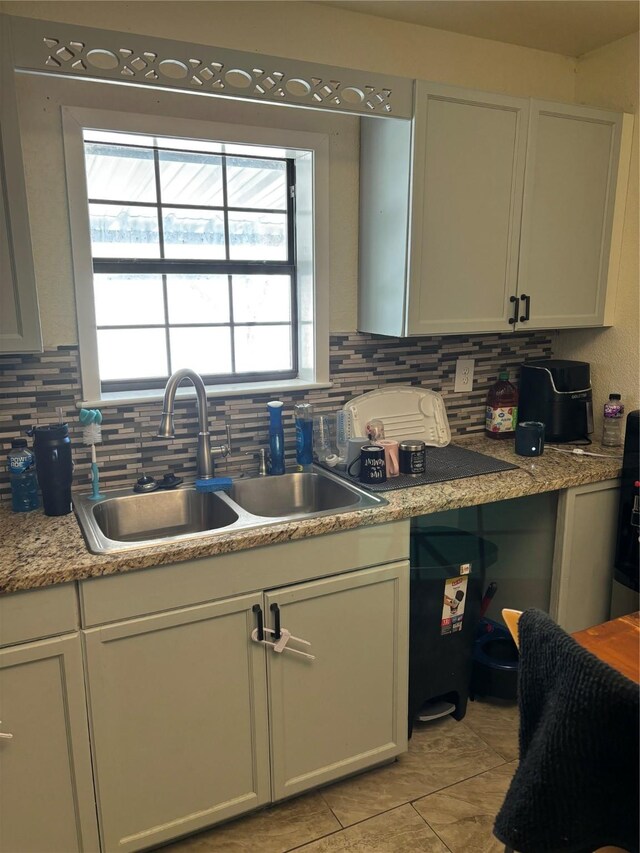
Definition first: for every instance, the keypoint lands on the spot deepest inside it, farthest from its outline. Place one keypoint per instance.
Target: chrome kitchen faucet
(204, 458)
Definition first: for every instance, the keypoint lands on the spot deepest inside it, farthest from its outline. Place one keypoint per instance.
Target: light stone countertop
(37, 551)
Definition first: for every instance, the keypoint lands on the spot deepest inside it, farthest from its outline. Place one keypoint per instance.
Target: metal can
(413, 456)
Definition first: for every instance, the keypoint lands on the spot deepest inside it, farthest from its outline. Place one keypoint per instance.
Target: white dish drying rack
(406, 412)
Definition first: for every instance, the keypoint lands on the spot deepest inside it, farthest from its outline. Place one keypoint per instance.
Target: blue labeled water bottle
(22, 474)
(303, 413)
(276, 437)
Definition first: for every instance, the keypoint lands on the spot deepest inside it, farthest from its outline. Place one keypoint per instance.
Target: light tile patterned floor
(441, 797)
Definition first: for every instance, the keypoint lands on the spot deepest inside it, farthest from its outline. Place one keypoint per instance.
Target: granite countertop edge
(37, 551)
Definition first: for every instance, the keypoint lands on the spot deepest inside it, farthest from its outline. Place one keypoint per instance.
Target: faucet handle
(223, 449)
(263, 469)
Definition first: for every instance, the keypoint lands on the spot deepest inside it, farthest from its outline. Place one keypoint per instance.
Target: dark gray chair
(576, 787)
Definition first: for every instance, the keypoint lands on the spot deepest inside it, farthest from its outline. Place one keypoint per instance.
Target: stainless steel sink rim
(99, 543)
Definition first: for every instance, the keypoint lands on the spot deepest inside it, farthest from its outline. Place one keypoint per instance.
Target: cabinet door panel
(467, 184)
(347, 709)
(584, 554)
(19, 318)
(179, 722)
(46, 788)
(572, 166)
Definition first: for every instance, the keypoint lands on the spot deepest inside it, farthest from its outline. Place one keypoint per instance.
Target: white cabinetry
(19, 319)
(178, 721)
(584, 554)
(488, 213)
(193, 721)
(46, 788)
(347, 709)
(567, 219)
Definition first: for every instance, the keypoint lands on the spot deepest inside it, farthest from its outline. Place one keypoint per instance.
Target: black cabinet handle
(513, 320)
(276, 621)
(258, 611)
(527, 307)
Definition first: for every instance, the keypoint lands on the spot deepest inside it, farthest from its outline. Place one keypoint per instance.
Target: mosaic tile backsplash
(32, 386)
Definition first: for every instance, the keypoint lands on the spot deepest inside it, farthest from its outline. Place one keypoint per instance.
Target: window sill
(245, 389)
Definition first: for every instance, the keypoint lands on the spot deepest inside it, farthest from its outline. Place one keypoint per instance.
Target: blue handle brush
(91, 420)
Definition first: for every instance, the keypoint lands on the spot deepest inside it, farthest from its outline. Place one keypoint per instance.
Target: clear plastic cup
(322, 440)
(343, 433)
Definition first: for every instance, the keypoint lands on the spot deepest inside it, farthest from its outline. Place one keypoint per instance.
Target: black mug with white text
(373, 468)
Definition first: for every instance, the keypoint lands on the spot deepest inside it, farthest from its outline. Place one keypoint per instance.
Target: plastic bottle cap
(18, 442)
(615, 396)
(504, 374)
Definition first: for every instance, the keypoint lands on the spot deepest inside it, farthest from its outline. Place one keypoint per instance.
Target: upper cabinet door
(19, 318)
(467, 184)
(568, 214)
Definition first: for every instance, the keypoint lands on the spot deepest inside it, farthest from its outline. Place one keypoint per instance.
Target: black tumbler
(54, 467)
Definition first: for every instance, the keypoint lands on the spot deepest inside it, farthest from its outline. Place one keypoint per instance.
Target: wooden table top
(616, 643)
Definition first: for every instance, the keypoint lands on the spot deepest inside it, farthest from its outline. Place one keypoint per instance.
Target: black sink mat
(443, 463)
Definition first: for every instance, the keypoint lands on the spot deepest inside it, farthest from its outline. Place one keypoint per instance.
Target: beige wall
(609, 77)
(291, 29)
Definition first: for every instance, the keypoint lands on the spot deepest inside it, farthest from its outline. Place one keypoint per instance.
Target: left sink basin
(128, 520)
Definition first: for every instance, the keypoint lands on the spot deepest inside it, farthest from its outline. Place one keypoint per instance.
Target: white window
(194, 246)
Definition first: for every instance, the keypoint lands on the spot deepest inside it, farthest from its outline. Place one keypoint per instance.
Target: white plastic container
(405, 411)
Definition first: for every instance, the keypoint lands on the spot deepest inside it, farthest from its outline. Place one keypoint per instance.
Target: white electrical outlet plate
(464, 374)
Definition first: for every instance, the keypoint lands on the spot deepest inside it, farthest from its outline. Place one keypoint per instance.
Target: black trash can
(448, 568)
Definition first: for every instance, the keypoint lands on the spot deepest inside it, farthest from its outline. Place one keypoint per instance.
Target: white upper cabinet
(488, 213)
(567, 218)
(469, 156)
(19, 318)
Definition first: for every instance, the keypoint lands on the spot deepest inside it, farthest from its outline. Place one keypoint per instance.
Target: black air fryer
(557, 393)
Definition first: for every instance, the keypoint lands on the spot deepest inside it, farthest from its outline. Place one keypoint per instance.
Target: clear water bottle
(22, 473)
(303, 413)
(612, 424)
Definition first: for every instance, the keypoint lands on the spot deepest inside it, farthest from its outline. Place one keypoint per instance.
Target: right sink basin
(293, 495)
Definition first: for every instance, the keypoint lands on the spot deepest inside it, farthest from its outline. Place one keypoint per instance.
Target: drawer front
(38, 613)
(138, 593)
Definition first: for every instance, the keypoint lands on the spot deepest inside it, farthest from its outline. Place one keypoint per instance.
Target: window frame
(310, 232)
(164, 266)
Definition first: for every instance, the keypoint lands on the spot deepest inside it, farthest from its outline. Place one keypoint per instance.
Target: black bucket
(495, 663)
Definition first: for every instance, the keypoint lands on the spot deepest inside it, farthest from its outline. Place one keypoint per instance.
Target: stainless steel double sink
(122, 520)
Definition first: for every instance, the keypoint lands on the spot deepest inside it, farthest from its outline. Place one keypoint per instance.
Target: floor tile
(496, 722)
(440, 753)
(397, 831)
(463, 815)
(273, 830)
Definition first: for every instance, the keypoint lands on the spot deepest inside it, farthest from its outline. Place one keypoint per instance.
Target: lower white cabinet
(46, 788)
(194, 721)
(584, 554)
(346, 709)
(178, 713)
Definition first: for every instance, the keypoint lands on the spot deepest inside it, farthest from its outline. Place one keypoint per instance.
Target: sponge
(214, 484)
